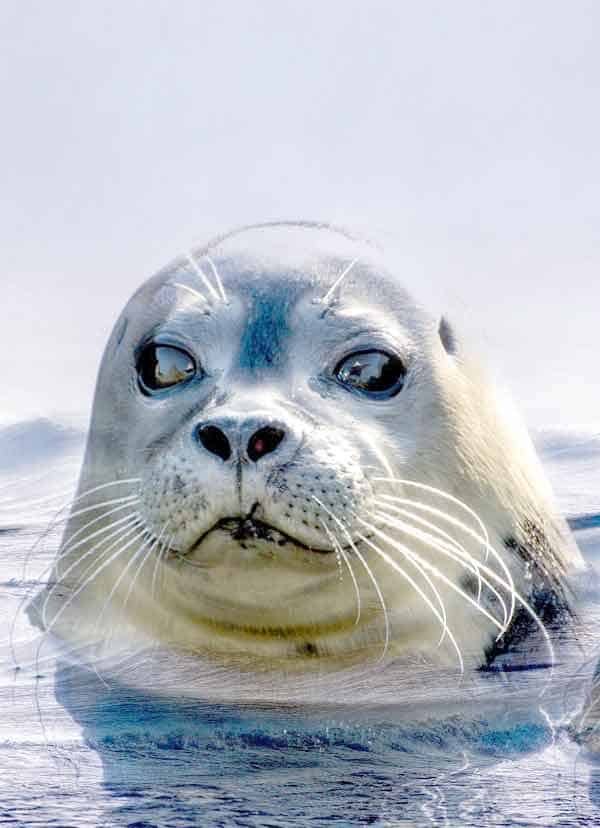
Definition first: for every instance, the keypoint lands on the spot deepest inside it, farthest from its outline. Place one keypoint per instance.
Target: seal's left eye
(162, 366)
(373, 373)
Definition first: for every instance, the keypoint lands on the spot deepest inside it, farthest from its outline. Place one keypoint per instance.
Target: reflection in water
(79, 748)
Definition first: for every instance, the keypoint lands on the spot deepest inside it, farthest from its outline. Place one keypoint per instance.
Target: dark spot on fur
(178, 483)
(307, 648)
(446, 335)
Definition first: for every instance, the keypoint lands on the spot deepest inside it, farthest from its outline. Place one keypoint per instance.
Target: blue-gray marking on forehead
(265, 340)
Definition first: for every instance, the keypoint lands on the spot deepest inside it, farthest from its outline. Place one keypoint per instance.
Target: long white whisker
(121, 482)
(92, 577)
(155, 545)
(467, 529)
(389, 520)
(70, 548)
(454, 551)
(338, 546)
(396, 566)
(404, 550)
(217, 278)
(202, 275)
(453, 544)
(437, 596)
(150, 542)
(446, 496)
(516, 596)
(123, 525)
(370, 441)
(49, 626)
(328, 296)
(13, 505)
(369, 573)
(195, 293)
(54, 521)
(163, 549)
(125, 504)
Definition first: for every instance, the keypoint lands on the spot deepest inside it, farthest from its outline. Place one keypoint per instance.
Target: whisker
(92, 577)
(515, 597)
(370, 441)
(460, 555)
(437, 596)
(148, 554)
(476, 568)
(404, 550)
(446, 496)
(124, 525)
(460, 525)
(396, 566)
(195, 293)
(124, 572)
(67, 550)
(217, 278)
(326, 299)
(369, 573)
(202, 275)
(162, 550)
(12, 505)
(67, 544)
(65, 506)
(95, 489)
(338, 547)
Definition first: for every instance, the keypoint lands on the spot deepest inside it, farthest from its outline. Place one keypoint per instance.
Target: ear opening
(447, 336)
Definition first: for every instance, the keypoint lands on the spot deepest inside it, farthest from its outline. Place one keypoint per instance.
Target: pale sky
(463, 135)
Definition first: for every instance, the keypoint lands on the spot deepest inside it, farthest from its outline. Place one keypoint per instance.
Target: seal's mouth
(246, 530)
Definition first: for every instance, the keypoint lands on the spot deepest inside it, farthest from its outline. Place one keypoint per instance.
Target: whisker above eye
(328, 297)
(214, 294)
(217, 277)
(195, 293)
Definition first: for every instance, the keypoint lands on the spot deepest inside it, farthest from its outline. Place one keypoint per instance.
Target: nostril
(264, 441)
(214, 440)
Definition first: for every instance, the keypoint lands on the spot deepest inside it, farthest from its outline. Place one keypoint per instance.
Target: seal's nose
(215, 441)
(264, 441)
(227, 438)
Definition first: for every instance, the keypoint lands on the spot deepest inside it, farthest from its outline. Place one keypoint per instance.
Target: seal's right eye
(163, 366)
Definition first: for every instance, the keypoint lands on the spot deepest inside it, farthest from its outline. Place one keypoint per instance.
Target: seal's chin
(249, 533)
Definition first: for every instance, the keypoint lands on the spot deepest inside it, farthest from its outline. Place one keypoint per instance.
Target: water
(77, 749)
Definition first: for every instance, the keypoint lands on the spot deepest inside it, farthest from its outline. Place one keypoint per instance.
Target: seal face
(289, 459)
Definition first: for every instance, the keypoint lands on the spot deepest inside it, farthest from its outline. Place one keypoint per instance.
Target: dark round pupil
(161, 366)
(371, 371)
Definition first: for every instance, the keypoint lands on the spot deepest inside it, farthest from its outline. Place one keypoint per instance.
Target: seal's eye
(162, 366)
(373, 373)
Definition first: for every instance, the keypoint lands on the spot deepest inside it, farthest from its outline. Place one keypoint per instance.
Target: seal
(290, 461)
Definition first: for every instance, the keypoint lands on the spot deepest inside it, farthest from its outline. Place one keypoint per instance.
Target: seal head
(289, 459)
